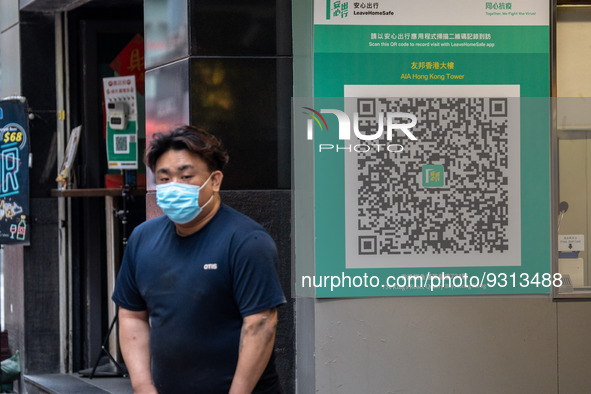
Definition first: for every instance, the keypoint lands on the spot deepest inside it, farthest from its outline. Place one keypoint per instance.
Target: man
(197, 290)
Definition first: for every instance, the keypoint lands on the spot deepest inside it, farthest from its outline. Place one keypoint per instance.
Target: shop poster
(431, 146)
(14, 188)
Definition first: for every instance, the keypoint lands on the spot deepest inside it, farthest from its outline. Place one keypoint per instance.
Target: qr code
(448, 191)
(121, 143)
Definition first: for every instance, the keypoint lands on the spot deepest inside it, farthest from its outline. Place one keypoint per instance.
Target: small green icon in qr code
(433, 175)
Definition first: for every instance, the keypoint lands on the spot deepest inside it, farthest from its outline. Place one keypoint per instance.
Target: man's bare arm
(134, 337)
(256, 345)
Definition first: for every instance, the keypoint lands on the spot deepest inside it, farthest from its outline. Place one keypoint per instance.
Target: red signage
(130, 61)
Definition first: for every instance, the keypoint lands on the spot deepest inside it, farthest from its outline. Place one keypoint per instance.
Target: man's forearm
(256, 345)
(134, 337)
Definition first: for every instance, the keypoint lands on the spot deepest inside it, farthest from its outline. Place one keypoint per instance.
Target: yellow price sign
(12, 136)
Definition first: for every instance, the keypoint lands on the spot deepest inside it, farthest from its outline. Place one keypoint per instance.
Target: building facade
(234, 67)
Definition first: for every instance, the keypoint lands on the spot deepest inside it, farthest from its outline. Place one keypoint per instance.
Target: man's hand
(134, 336)
(256, 345)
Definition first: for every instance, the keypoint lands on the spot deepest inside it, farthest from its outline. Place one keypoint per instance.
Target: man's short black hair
(191, 138)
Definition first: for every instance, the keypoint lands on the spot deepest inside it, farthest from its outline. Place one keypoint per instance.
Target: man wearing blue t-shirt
(197, 290)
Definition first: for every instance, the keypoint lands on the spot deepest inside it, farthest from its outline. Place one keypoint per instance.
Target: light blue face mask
(180, 201)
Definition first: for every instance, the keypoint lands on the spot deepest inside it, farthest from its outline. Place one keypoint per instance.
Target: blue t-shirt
(197, 289)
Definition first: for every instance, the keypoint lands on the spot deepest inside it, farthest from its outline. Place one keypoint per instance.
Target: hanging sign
(14, 187)
(130, 61)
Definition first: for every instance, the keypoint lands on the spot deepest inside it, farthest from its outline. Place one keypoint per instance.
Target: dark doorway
(98, 32)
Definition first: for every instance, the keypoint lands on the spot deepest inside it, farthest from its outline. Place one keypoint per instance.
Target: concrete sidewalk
(74, 384)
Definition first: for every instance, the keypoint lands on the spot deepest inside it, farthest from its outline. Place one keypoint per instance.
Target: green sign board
(428, 135)
(121, 126)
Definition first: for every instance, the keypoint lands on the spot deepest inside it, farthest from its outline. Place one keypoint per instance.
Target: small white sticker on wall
(571, 243)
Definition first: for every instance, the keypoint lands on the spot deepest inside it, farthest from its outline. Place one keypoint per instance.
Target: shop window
(573, 150)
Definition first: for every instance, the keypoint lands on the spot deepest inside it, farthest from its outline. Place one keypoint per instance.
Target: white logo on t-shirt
(210, 266)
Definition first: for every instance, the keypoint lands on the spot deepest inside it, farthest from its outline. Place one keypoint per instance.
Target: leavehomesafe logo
(342, 9)
(433, 175)
(391, 126)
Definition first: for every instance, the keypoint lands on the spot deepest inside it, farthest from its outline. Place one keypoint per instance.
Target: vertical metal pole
(112, 249)
(65, 358)
(68, 209)
(553, 144)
